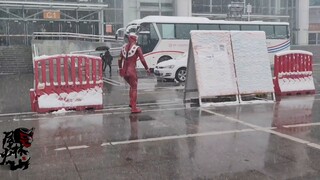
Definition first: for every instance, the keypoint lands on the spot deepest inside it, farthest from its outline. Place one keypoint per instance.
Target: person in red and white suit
(127, 68)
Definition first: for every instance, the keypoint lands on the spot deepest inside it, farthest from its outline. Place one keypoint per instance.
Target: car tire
(181, 74)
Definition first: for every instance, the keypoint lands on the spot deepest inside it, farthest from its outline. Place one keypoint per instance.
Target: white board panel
(251, 62)
(213, 62)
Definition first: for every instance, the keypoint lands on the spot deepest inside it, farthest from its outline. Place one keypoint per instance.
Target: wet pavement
(279, 140)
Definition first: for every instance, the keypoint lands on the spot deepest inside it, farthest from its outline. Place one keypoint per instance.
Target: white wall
(183, 7)
(131, 8)
(130, 11)
(303, 21)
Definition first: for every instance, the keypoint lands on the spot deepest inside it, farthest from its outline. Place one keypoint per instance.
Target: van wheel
(181, 74)
(163, 58)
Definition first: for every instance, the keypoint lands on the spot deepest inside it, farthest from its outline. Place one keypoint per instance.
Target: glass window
(32, 13)
(16, 12)
(119, 4)
(153, 33)
(226, 2)
(293, 3)
(283, 11)
(209, 27)
(166, 31)
(119, 16)
(167, 13)
(110, 3)
(216, 2)
(284, 3)
(148, 13)
(217, 10)
(166, 5)
(200, 9)
(149, 4)
(268, 29)
(246, 27)
(67, 14)
(200, 6)
(85, 28)
(314, 2)
(229, 27)
(312, 38)
(203, 2)
(3, 33)
(318, 38)
(183, 30)
(148, 39)
(281, 32)
(3, 26)
(16, 27)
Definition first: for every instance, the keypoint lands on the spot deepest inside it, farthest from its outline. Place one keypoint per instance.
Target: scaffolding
(20, 19)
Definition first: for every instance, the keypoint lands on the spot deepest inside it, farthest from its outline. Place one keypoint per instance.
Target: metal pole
(249, 10)
(101, 25)
(160, 9)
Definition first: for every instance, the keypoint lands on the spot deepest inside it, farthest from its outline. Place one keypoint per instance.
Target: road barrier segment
(72, 82)
(293, 74)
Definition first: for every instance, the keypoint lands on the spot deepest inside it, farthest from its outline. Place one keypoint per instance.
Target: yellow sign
(51, 14)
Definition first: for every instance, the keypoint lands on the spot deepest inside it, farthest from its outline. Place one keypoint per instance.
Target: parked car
(173, 68)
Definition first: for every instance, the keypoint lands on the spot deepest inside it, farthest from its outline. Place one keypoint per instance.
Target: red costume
(130, 53)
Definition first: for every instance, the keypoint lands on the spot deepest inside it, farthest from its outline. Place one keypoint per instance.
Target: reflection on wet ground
(278, 140)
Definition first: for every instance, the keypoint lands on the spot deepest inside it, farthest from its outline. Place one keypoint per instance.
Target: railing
(115, 52)
(71, 36)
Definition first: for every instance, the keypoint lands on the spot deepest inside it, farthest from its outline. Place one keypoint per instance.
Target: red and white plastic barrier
(293, 73)
(67, 81)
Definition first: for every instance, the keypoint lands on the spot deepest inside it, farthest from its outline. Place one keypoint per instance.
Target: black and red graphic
(16, 146)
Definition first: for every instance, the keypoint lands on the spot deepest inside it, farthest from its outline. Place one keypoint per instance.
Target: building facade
(314, 24)
(20, 18)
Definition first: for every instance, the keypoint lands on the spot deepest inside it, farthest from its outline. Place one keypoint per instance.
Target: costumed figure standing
(127, 68)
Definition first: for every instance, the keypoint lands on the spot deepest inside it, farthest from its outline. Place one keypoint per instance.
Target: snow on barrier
(293, 73)
(225, 66)
(72, 82)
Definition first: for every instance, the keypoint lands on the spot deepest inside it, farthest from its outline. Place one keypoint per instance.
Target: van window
(229, 27)
(209, 27)
(183, 30)
(166, 31)
(148, 38)
(268, 29)
(280, 32)
(246, 27)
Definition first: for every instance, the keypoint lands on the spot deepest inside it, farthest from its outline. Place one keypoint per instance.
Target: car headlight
(169, 67)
